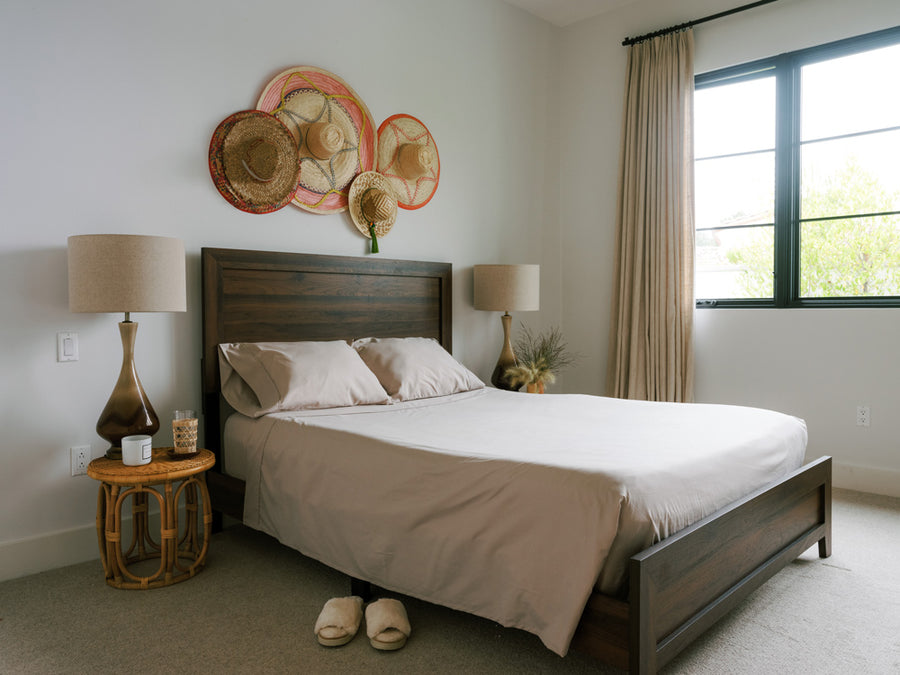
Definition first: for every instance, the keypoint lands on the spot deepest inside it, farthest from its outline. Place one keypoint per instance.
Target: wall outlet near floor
(80, 456)
(862, 416)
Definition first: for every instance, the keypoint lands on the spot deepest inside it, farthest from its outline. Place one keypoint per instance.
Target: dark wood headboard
(262, 296)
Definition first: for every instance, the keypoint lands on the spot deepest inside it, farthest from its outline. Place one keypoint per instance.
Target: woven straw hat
(372, 202)
(408, 157)
(333, 129)
(253, 162)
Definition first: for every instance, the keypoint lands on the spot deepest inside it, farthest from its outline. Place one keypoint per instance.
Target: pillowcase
(263, 377)
(413, 368)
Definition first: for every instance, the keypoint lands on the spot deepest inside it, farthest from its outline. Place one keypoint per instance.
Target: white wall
(108, 108)
(817, 364)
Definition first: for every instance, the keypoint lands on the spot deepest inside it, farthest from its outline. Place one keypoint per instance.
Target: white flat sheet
(510, 506)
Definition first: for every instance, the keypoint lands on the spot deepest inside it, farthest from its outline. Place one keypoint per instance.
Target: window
(797, 178)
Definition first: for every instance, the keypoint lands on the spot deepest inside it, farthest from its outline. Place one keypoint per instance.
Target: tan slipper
(387, 624)
(338, 621)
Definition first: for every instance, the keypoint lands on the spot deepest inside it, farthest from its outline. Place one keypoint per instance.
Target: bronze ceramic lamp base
(507, 358)
(128, 410)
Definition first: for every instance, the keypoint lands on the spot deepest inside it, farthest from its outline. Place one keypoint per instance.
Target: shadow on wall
(34, 285)
(40, 401)
(35, 307)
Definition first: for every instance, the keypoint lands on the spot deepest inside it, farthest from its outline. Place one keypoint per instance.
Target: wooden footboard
(687, 582)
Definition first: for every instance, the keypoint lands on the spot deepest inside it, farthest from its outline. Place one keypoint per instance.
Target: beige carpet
(253, 608)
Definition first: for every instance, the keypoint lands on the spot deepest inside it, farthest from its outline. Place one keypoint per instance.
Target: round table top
(165, 466)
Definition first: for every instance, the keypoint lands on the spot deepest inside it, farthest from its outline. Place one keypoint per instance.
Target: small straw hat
(408, 158)
(373, 206)
(253, 162)
(333, 131)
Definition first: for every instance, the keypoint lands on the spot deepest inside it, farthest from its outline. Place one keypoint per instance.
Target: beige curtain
(650, 349)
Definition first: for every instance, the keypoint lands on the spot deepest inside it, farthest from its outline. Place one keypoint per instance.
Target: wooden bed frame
(677, 588)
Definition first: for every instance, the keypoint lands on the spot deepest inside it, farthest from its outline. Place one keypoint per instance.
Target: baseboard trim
(48, 551)
(44, 552)
(866, 479)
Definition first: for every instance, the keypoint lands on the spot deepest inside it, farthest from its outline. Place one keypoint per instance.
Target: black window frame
(786, 69)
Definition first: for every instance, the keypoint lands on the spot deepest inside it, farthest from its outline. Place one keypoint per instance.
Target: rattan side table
(181, 549)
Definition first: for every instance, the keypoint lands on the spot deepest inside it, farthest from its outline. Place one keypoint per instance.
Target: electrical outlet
(80, 456)
(862, 416)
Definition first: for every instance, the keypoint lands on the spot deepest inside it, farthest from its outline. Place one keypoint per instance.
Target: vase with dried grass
(538, 359)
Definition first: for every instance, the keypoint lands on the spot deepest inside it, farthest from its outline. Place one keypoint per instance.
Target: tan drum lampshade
(126, 273)
(506, 288)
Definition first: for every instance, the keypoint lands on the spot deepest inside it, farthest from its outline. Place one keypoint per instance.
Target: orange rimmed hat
(408, 158)
(253, 162)
(332, 128)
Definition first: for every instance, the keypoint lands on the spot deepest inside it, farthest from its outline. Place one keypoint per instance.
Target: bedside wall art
(373, 206)
(408, 157)
(313, 143)
(253, 162)
(333, 131)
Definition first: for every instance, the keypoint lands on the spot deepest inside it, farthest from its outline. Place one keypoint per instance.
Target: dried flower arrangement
(539, 358)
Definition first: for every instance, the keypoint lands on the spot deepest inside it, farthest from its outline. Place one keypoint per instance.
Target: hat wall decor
(253, 162)
(373, 206)
(408, 158)
(312, 142)
(332, 129)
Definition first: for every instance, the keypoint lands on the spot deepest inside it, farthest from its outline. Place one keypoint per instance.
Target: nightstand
(170, 482)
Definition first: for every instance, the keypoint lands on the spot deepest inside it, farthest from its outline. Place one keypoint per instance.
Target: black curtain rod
(689, 24)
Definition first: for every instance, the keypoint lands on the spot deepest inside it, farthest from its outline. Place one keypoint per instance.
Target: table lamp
(126, 273)
(506, 288)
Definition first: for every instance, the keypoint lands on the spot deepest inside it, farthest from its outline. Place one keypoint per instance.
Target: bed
(675, 589)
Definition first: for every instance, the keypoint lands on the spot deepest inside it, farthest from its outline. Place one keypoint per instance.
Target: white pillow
(263, 377)
(413, 368)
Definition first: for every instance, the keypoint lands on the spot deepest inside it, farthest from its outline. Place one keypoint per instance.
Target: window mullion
(787, 171)
(794, 186)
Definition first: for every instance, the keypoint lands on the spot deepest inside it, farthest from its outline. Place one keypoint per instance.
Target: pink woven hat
(253, 162)
(408, 158)
(373, 206)
(333, 131)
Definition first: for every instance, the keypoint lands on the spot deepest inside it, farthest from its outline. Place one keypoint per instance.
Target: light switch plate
(67, 346)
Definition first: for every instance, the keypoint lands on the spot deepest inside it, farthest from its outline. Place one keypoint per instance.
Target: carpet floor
(253, 608)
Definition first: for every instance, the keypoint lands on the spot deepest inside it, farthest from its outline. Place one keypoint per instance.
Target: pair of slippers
(386, 622)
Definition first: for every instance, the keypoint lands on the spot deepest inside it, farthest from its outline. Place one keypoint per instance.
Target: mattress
(511, 506)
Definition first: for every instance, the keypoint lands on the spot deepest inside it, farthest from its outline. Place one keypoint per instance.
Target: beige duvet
(510, 506)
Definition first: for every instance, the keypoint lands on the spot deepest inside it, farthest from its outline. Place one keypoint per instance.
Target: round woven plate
(302, 95)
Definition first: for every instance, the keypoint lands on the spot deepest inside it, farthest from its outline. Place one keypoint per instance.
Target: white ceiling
(564, 12)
